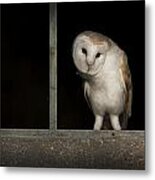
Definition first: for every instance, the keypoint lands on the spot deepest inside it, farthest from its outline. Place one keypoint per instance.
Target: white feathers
(108, 87)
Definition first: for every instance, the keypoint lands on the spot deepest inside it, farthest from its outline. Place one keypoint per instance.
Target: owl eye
(84, 51)
(98, 55)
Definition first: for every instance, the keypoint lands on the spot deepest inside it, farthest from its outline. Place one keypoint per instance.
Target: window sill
(73, 149)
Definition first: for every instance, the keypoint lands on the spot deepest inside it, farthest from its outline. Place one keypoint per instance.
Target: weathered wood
(71, 149)
(53, 66)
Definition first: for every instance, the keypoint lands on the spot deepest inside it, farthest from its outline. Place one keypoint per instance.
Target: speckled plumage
(108, 85)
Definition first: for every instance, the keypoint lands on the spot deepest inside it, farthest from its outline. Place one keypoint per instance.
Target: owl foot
(115, 122)
(98, 122)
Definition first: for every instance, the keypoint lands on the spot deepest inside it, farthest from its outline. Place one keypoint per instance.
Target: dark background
(123, 22)
(25, 66)
(25, 60)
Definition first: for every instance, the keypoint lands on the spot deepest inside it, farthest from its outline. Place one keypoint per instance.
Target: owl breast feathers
(107, 78)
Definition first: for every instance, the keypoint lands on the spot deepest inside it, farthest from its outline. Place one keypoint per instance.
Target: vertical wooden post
(53, 66)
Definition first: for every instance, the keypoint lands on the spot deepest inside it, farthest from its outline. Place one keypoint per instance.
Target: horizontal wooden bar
(74, 149)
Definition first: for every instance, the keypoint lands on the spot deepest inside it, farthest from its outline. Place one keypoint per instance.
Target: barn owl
(107, 78)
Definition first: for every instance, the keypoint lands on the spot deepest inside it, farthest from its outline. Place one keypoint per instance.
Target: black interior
(25, 60)
(25, 66)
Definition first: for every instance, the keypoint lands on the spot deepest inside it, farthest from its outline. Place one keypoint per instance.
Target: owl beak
(90, 62)
(89, 67)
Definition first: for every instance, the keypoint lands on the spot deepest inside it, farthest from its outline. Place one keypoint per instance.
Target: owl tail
(124, 121)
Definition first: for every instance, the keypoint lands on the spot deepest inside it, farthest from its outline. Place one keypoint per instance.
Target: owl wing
(87, 93)
(126, 83)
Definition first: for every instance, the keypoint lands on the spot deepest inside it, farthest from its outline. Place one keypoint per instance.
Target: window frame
(132, 157)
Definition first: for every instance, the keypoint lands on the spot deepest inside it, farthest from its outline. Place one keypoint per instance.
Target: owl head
(89, 52)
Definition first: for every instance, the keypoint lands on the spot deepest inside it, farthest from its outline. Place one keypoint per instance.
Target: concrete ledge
(106, 149)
